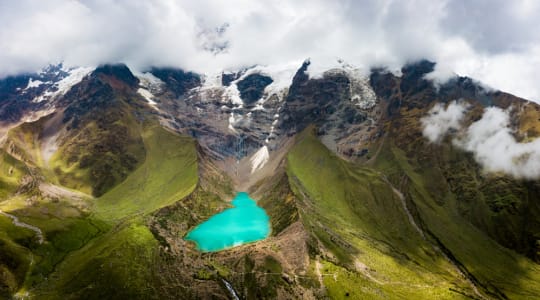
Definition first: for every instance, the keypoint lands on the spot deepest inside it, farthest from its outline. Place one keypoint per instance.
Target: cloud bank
(490, 139)
(496, 149)
(493, 41)
(440, 120)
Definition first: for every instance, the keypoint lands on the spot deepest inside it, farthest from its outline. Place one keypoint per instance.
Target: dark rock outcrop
(310, 101)
(118, 71)
(177, 80)
(251, 88)
(227, 78)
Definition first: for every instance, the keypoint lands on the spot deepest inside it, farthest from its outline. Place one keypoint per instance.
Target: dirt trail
(18, 223)
(52, 190)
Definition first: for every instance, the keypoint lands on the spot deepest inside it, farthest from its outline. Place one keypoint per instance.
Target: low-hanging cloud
(496, 149)
(490, 139)
(440, 120)
(466, 37)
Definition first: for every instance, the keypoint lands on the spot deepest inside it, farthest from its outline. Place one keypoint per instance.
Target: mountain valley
(374, 183)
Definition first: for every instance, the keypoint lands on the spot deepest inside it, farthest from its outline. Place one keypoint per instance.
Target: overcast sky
(495, 41)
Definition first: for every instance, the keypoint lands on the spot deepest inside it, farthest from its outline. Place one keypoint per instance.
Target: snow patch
(267, 140)
(281, 74)
(258, 106)
(361, 92)
(272, 128)
(63, 86)
(211, 81)
(363, 95)
(232, 95)
(232, 120)
(259, 159)
(75, 76)
(149, 86)
(33, 84)
(147, 95)
(150, 82)
(318, 68)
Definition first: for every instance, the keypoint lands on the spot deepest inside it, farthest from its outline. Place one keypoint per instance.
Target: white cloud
(440, 120)
(496, 149)
(490, 139)
(465, 37)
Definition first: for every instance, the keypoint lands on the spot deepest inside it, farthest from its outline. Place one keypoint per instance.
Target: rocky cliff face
(29, 96)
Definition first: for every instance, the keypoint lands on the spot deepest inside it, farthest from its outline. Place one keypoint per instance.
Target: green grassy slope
(81, 235)
(498, 269)
(168, 174)
(110, 146)
(116, 265)
(15, 258)
(277, 200)
(123, 256)
(101, 152)
(11, 172)
(365, 234)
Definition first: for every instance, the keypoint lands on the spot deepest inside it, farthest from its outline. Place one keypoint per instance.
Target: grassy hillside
(123, 255)
(364, 239)
(501, 271)
(82, 233)
(168, 174)
(362, 233)
(15, 258)
(101, 151)
(116, 265)
(94, 248)
(11, 172)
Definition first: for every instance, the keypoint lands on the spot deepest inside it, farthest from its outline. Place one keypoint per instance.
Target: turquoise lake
(244, 223)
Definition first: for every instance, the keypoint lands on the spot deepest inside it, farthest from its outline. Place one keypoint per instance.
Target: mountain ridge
(361, 203)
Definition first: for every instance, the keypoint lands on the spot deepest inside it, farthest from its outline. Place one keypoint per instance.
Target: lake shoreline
(242, 224)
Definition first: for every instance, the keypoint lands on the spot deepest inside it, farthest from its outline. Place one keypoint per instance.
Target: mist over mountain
(250, 150)
(499, 48)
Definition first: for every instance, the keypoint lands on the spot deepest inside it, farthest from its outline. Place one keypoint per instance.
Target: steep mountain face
(113, 168)
(503, 207)
(101, 144)
(25, 97)
(251, 87)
